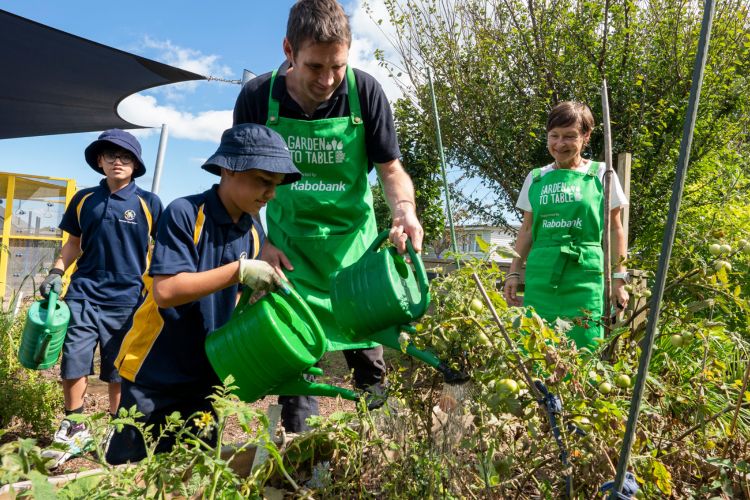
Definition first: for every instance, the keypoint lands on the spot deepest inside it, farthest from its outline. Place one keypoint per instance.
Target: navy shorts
(156, 404)
(92, 324)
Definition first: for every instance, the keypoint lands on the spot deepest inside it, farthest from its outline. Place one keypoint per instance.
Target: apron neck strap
(593, 168)
(355, 110)
(536, 174)
(273, 104)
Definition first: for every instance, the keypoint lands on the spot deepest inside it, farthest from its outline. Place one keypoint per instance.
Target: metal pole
(607, 196)
(666, 247)
(160, 159)
(442, 166)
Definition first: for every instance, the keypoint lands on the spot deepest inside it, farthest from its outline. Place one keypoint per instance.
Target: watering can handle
(41, 350)
(419, 270)
(309, 317)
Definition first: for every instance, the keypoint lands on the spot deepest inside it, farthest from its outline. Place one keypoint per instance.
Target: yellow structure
(31, 207)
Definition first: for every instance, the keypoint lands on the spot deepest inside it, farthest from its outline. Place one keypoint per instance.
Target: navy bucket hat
(121, 139)
(252, 146)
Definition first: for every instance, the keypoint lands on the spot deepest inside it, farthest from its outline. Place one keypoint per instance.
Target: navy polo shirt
(195, 234)
(115, 231)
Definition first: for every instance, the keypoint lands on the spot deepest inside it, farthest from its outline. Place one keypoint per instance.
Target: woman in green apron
(561, 233)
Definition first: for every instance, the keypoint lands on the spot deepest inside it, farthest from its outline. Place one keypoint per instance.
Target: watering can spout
(452, 376)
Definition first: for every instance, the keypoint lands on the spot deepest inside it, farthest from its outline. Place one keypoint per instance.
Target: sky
(219, 38)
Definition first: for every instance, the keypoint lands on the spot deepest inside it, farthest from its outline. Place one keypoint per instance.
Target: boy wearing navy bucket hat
(206, 247)
(109, 228)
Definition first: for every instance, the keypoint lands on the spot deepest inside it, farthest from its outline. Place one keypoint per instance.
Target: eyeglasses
(125, 158)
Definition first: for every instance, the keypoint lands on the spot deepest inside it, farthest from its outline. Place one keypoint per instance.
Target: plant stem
(737, 409)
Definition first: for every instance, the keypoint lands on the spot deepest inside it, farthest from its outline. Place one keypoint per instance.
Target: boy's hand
(259, 275)
(53, 282)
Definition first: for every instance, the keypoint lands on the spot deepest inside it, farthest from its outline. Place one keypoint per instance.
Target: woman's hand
(620, 296)
(510, 291)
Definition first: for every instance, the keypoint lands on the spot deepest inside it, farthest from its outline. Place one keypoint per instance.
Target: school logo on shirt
(128, 217)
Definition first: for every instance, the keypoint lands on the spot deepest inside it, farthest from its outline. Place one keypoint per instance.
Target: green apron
(325, 220)
(564, 270)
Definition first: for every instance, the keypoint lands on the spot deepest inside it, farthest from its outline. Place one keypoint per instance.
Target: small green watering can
(268, 346)
(44, 333)
(379, 295)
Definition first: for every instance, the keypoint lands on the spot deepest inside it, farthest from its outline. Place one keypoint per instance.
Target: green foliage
(500, 66)
(28, 398)
(420, 159)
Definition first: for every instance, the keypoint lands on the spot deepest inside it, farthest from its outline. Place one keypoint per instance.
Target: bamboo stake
(607, 212)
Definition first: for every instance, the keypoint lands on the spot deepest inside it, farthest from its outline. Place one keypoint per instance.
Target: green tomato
(714, 249)
(476, 305)
(622, 381)
(605, 387)
(742, 244)
(722, 264)
(676, 340)
(725, 249)
(647, 293)
(687, 338)
(582, 423)
(484, 339)
(746, 249)
(507, 387)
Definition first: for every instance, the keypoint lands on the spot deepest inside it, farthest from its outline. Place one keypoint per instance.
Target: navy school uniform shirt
(115, 231)
(165, 347)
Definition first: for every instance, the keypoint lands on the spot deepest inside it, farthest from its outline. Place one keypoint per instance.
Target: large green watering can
(44, 333)
(378, 296)
(268, 346)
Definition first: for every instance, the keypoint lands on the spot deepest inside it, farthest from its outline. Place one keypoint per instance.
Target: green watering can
(44, 333)
(379, 295)
(268, 346)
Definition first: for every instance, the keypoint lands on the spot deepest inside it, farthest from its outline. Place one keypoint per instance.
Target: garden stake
(607, 212)
(551, 403)
(666, 248)
(442, 167)
(737, 409)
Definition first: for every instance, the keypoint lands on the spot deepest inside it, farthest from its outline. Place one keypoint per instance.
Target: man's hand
(53, 282)
(405, 224)
(276, 258)
(259, 275)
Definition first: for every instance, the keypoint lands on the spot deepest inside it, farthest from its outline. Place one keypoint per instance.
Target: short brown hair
(318, 21)
(569, 113)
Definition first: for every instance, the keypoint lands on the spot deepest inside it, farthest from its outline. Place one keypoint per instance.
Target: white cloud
(367, 36)
(146, 111)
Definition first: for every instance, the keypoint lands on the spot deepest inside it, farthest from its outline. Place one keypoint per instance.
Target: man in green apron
(562, 231)
(337, 124)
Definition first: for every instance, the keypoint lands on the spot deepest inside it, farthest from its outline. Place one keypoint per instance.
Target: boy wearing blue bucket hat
(109, 231)
(206, 247)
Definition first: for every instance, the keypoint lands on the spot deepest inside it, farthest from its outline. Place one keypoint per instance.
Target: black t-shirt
(380, 133)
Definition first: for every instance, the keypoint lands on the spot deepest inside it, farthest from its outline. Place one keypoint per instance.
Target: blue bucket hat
(251, 146)
(121, 139)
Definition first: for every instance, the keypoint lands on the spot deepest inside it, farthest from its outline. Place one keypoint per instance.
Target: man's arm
(399, 193)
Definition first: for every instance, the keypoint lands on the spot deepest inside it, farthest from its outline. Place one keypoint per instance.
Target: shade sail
(53, 82)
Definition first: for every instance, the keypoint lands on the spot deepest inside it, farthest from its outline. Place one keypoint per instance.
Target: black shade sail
(52, 82)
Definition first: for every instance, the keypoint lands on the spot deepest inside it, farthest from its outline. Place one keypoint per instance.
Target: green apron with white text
(564, 270)
(324, 221)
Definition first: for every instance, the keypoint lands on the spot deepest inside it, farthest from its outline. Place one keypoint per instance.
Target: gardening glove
(259, 275)
(53, 282)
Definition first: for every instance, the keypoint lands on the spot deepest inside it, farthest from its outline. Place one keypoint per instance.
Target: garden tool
(269, 346)
(378, 296)
(44, 333)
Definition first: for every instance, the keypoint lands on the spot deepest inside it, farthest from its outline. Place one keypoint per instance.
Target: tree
(420, 159)
(500, 65)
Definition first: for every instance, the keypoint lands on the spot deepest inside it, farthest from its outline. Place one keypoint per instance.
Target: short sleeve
(70, 223)
(174, 251)
(157, 210)
(523, 202)
(381, 140)
(617, 196)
